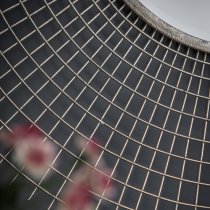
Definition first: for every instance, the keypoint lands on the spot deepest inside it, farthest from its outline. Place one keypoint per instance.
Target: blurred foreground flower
(29, 149)
(77, 194)
(78, 198)
(101, 183)
(99, 179)
(91, 149)
(35, 155)
(88, 180)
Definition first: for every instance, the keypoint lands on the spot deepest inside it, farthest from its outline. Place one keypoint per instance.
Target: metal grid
(95, 68)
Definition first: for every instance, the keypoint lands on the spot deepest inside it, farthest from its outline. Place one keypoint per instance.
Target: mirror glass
(189, 16)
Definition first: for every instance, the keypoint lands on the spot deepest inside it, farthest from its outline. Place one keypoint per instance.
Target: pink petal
(35, 155)
(78, 198)
(26, 130)
(19, 132)
(93, 146)
(102, 183)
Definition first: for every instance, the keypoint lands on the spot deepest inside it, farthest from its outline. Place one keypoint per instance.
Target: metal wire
(95, 68)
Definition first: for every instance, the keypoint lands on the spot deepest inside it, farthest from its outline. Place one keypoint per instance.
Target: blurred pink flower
(99, 180)
(30, 150)
(78, 196)
(35, 155)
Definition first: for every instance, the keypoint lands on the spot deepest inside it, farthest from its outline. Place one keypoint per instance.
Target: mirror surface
(189, 16)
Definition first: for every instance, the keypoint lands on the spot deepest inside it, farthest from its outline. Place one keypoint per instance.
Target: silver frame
(166, 28)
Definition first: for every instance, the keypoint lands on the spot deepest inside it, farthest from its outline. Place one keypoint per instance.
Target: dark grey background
(94, 68)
